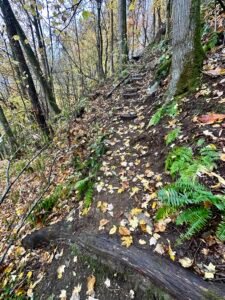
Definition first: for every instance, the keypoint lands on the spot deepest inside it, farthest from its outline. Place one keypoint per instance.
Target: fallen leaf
(211, 118)
(142, 242)
(159, 249)
(91, 280)
(113, 230)
(60, 271)
(136, 211)
(171, 252)
(107, 282)
(76, 293)
(62, 295)
(186, 262)
(127, 241)
(124, 231)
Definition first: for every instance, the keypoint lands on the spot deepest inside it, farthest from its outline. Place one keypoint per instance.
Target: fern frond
(173, 135)
(221, 231)
(164, 212)
(172, 198)
(89, 195)
(196, 217)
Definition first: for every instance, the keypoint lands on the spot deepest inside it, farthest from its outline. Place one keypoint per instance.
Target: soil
(134, 162)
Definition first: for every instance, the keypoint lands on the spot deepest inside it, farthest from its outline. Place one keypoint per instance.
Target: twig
(30, 210)
(10, 184)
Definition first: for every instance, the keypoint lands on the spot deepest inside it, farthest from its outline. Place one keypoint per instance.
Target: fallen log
(165, 275)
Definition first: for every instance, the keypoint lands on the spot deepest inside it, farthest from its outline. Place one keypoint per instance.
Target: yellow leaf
(135, 190)
(91, 280)
(136, 211)
(29, 275)
(142, 242)
(124, 231)
(154, 204)
(222, 156)
(127, 241)
(60, 271)
(113, 230)
(171, 252)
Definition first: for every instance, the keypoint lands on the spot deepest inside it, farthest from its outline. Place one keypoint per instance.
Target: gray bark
(186, 43)
(122, 31)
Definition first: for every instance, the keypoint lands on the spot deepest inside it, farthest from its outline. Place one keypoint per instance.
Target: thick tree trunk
(8, 14)
(122, 30)
(28, 81)
(8, 131)
(187, 50)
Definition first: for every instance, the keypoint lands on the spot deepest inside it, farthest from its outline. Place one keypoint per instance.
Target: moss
(190, 77)
(163, 69)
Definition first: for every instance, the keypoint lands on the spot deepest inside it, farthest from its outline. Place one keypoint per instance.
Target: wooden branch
(10, 184)
(115, 87)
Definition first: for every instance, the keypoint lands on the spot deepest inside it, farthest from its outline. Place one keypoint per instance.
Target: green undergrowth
(45, 207)
(169, 109)
(191, 202)
(87, 170)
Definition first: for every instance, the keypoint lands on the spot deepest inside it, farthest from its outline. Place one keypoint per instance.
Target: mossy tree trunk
(44, 83)
(186, 43)
(122, 31)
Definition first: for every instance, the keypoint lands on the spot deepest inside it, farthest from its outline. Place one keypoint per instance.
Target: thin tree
(26, 74)
(46, 87)
(99, 40)
(8, 131)
(122, 31)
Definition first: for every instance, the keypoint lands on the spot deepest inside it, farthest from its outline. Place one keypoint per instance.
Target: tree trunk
(187, 50)
(8, 131)
(99, 40)
(112, 39)
(28, 80)
(9, 15)
(122, 30)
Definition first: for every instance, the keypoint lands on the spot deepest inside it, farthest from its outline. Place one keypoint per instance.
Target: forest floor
(124, 202)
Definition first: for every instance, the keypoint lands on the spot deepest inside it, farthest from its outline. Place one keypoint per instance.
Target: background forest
(111, 120)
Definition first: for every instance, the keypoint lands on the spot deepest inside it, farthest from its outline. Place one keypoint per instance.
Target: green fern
(164, 211)
(89, 194)
(173, 135)
(155, 119)
(221, 231)
(196, 218)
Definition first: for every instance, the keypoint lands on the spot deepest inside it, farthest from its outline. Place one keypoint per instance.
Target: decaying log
(165, 275)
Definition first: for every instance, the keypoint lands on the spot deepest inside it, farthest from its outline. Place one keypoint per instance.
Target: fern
(164, 212)
(221, 231)
(173, 135)
(88, 194)
(196, 218)
(155, 119)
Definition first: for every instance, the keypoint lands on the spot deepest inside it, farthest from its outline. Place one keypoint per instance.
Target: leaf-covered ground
(125, 202)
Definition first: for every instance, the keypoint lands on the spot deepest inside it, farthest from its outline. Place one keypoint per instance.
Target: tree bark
(8, 131)
(99, 40)
(27, 78)
(8, 14)
(112, 38)
(187, 50)
(122, 30)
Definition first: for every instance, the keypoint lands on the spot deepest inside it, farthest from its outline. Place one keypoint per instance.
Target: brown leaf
(124, 231)
(211, 118)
